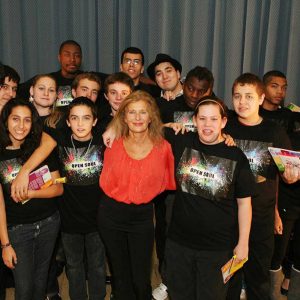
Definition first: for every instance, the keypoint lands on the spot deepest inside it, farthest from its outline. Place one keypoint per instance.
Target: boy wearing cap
(166, 71)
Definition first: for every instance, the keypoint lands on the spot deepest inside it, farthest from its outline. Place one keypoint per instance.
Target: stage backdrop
(227, 36)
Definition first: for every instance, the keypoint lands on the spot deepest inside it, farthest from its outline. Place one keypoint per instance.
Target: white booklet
(284, 156)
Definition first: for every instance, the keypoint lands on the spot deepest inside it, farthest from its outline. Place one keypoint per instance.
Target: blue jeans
(75, 247)
(33, 244)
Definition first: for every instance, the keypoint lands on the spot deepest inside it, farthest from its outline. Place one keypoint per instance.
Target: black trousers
(160, 227)
(127, 232)
(256, 269)
(163, 205)
(2, 279)
(195, 274)
(291, 222)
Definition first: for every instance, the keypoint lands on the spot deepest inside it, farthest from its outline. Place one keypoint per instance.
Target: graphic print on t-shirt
(207, 176)
(9, 170)
(81, 166)
(258, 156)
(186, 118)
(64, 96)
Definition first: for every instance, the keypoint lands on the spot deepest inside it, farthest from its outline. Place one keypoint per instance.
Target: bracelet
(5, 245)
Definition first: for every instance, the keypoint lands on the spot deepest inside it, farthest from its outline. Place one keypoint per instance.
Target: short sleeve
(245, 183)
(281, 139)
(54, 133)
(52, 161)
(170, 135)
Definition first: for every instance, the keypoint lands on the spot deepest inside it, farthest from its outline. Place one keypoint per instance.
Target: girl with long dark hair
(28, 230)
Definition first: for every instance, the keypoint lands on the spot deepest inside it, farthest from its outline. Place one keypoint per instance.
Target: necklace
(12, 148)
(84, 153)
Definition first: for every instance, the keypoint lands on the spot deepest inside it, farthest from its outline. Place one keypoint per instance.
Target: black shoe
(108, 280)
(9, 279)
(2, 294)
(54, 297)
(59, 267)
(283, 291)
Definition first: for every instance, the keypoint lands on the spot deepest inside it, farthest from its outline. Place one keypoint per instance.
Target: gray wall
(227, 36)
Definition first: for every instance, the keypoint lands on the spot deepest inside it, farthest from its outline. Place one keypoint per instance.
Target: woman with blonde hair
(43, 94)
(138, 167)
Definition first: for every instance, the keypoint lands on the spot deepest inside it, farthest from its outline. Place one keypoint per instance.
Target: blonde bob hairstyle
(155, 128)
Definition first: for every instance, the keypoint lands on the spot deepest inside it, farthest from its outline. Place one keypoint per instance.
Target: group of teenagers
(126, 146)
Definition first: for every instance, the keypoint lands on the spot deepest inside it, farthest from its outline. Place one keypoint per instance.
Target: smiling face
(133, 66)
(246, 102)
(166, 77)
(209, 123)
(137, 117)
(70, 60)
(44, 92)
(8, 90)
(81, 122)
(87, 88)
(19, 125)
(116, 93)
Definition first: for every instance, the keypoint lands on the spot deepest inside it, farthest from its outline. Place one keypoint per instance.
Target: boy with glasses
(132, 63)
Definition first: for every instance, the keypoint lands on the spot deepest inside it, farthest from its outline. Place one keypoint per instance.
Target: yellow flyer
(231, 267)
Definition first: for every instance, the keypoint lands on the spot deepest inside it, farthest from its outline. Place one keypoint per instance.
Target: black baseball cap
(160, 58)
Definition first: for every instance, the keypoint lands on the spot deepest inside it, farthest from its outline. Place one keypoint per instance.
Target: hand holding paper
(231, 267)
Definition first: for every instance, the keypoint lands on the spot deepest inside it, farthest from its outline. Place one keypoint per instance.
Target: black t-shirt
(34, 210)
(103, 108)
(81, 164)
(289, 194)
(209, 179)
(152, 89)
(254, 141)
(105, 121)
(288, 119)
(176, 111)
(43, 119)
(282, 116)
(102, 104)
(64, 91)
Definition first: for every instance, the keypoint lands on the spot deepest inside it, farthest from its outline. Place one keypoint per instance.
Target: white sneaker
(243, 295)
(160, 293)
